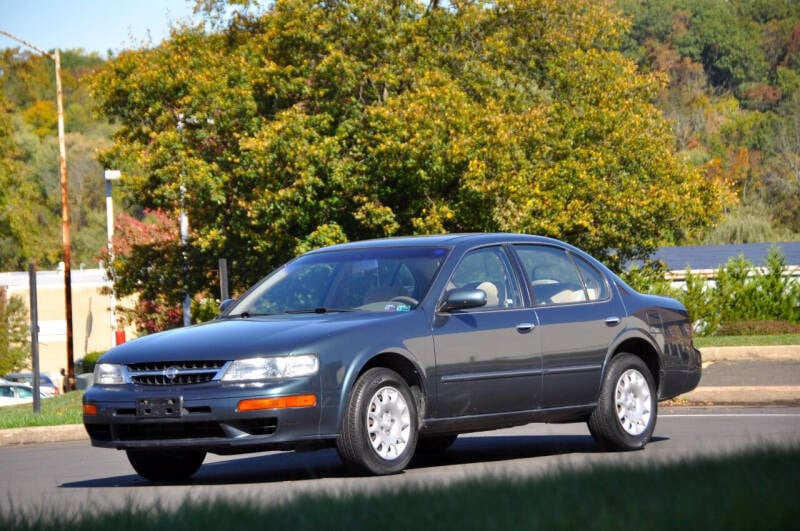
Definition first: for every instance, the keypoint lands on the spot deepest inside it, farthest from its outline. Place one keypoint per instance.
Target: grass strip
(61, 409)
(755, 491)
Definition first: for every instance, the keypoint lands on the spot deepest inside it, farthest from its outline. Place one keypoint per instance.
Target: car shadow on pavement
(299, 466)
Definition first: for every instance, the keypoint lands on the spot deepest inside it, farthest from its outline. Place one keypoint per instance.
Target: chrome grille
(174, 372)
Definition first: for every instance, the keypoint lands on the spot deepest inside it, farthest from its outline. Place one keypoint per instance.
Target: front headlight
(110, 373)
(272, 367)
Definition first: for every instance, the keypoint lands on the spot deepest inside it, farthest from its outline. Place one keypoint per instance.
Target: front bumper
(207, 418)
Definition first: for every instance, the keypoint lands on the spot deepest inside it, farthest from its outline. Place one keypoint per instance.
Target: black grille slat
(188, 430)
(162, 373)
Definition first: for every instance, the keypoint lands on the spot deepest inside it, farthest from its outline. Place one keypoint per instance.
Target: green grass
(61, 409)
(747, 341)
(756, 491)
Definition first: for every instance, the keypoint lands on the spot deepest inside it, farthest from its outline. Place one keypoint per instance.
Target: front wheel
(165, 465)
(379, 429)
(626, 411)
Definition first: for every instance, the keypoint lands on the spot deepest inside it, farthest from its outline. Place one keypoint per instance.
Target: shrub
(740, 293)
(14, 333)
(89, 361)
(757, 328)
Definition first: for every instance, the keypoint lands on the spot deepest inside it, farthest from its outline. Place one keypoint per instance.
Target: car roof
(12, 375)
(448, 240)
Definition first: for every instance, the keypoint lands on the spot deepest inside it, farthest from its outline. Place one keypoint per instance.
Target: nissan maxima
(387, 347)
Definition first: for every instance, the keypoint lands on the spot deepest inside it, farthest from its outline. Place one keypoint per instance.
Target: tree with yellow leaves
(315, 122)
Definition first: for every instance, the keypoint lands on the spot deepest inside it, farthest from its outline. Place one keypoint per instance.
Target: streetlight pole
(110, 176)
(65, 237)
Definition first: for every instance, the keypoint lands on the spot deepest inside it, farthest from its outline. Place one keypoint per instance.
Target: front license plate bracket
(159, 408)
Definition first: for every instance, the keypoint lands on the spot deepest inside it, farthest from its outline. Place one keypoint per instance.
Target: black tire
(165, 465)
(627, 409)
(435, 444)
(384, 445)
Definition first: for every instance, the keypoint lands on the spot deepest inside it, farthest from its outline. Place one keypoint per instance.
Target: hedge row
(739, 293)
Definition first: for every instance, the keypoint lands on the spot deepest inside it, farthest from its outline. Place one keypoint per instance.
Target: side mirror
(224, 305)
(463, 299)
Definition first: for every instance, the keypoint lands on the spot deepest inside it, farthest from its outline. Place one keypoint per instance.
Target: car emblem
(171, 373)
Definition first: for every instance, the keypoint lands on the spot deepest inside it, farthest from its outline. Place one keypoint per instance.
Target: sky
(93, 25)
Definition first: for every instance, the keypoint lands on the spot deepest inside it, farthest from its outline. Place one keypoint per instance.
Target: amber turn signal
(277, 402)
(90, 409)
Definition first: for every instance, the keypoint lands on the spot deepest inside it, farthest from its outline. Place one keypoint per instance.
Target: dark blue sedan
(387, 347)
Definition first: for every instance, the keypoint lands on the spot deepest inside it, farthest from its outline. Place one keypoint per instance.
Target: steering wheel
(406, 299)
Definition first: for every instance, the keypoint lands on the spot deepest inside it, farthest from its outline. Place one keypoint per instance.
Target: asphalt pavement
(741, 376)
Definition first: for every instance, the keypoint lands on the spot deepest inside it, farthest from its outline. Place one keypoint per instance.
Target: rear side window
(596, 286)
(555, 278)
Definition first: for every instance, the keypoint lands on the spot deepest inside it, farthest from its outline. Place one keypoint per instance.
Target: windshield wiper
(321, 309)
(246, 314)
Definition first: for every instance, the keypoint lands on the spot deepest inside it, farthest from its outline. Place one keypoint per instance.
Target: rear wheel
(626, 411)
(165, 465)
(379, 429)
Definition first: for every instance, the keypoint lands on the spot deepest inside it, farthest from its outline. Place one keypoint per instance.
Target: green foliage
(741, 293)
(650, 277)
(320, 122)
(733, 72)
(743, 226)
(758, 328)
(14, 334)
(30, 227)
(88, 362)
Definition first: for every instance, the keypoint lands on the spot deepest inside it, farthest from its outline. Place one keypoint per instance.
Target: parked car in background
(12, 393)
(387, 347)
(46, 385)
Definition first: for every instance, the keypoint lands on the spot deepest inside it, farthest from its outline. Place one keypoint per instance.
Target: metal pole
(184, 221)
(37, 399)
(223, 279)
(109, 176)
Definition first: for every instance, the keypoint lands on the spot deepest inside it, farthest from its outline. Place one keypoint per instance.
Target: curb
(43, 434)
(772, 353)
(744, 395)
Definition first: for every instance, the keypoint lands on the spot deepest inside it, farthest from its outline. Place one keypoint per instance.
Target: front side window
(488, 269)
(379, 279)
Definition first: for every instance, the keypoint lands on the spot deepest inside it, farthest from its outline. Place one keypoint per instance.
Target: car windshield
(370, 279)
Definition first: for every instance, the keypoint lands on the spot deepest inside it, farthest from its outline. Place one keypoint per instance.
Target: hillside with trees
(619, 126)
(733, 97)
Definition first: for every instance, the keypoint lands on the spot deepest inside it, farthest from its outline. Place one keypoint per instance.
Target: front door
(487, 358)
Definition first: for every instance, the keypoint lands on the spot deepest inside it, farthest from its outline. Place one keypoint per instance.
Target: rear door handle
(525, 327)
(613, 321)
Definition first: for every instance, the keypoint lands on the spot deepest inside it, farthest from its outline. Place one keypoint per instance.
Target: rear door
(579, 317)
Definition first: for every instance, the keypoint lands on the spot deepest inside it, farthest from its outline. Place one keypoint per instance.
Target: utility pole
(65, 238)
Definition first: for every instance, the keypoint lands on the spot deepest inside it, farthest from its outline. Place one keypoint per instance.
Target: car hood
(242, 337)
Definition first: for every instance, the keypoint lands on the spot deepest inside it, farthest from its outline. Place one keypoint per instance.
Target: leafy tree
(14, 333)
(30, 227)
(319, 122)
